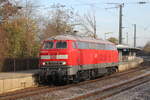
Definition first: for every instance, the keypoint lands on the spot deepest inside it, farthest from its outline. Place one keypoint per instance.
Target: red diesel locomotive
(72, 58)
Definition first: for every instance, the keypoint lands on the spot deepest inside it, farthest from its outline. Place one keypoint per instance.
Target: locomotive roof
(78, 38)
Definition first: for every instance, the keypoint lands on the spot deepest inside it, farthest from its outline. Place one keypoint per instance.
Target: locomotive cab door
(79, 54)
(76, 53)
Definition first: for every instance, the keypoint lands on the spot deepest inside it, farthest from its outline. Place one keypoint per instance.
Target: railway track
(47, 89)
(109, 91)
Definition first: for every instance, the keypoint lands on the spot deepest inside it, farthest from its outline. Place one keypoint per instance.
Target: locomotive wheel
(76, 78)
(42, 80)
(92, 74)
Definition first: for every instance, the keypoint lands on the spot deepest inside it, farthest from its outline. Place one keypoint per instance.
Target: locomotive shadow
(51, 82)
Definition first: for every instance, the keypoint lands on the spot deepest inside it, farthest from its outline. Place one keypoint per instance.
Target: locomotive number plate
(45, 57)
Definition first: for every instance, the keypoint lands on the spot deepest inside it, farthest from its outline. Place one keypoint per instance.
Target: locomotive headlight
(64, 63)
(43, 63)
(61, 56)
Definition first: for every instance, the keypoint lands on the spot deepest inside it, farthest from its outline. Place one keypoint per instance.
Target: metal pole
(127, 37)
(134, 35)
(120, 23)
(95, 36)
(14, 64)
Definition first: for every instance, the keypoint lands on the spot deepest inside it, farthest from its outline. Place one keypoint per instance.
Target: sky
(108, 19)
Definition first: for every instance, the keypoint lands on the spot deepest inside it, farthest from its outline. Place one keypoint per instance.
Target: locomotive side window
(80, 45)
(110, 47)
(98, 46)
(114, 48)
(61, 44)
(101, 46)
(107, 47)
(48, 45)
(83, 45)
(92, 45)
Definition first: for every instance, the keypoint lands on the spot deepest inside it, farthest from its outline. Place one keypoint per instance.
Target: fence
(18, 64)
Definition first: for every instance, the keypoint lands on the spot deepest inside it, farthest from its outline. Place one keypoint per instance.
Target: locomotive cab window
(48, 45)
(61, 44)
(74, 45)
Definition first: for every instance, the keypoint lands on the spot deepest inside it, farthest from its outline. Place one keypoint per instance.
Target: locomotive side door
(76, 54)
(79, 57)
(79, 53)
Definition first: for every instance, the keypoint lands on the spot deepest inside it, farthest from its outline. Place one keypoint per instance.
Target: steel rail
(42, 90)
(115, 89)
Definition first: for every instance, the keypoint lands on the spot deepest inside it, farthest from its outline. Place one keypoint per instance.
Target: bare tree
(113, 40)
(7, 10)
(20, 27)
(60, 22)
(3, 45)
(88, 22)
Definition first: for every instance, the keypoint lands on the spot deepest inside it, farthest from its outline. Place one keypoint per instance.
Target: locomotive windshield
(61, 44)
(48, 45)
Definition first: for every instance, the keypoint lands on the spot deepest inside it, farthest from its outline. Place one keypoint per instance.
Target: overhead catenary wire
(94, 4)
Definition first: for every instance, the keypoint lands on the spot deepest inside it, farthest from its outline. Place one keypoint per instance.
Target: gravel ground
(141, 92)
(79, 90)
